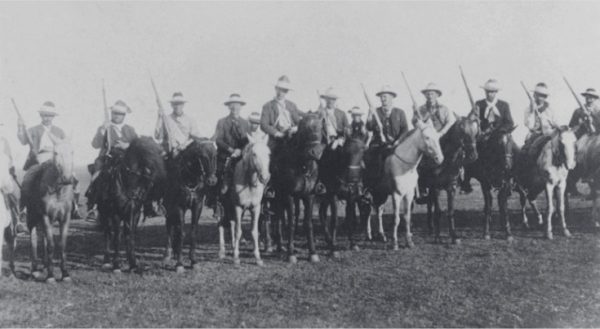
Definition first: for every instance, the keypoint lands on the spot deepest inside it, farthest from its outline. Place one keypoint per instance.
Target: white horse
(7, 186)
(250, 177)
(400, 176)
(550, 173)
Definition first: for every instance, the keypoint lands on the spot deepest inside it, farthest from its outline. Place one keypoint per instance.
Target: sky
(61, 51)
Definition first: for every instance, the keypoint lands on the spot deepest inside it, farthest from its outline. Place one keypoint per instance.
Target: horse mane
(147, 153)
(558, 149)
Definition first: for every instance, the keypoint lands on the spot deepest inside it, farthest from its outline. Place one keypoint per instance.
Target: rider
(43, 138)
(115, 133)
(539, 119)
(255, 132)
(279, 120)
(442, 119)
(335, 122)
(592, 113)
(231, 137)
(181, 127)
(494, 115)
(394, 124)
(357, 126)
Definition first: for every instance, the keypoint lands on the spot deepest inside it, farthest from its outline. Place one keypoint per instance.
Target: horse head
(353, 152)
(468, 133)
(309, 137)
(63, 159)
(564, 151)
(500, 144)
(199, 161)
(256, 158)
(430, 142)
(142, 167)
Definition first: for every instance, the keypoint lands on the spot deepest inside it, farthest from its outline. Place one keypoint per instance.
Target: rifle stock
(27, 134)
(372, 111)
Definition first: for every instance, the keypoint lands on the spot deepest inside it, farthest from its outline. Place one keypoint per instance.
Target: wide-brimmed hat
(329, 93)
(590, 92)
(283, 83)
(254, 117)
(177, 98)
(541, 89)
(491, 85)
(355, 110)
(48, 108)
(432, 87)
(387, 89)
(120, 108)
(235, 98)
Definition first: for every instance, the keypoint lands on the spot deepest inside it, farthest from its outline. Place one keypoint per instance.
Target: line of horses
(182, 183)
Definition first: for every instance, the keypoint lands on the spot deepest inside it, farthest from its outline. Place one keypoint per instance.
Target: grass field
(530, 283)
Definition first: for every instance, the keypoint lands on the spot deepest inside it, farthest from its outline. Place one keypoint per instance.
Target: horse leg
(49, 250)
(430, 224)
(308, 226)
(289, 211)
(523, 202)
(487, 210)
(33, 238)
(169, 226)
(437, 212)
(350, 221)
(129, 236)
(503, 207)
(333, 226)
(536, 210)
(561, 207)
(323, 207)
(369, 236)
(11, 243)
(237, 234)
(255, 212)
(221, 225)
(279, 218)
(64, 230)
(407, 218)
(178, 239)
(550, 201)
(265, 220)
(196, 211)
(116, 241)
(106, 227)
(380, 221)
(396, 198)
(451, 194)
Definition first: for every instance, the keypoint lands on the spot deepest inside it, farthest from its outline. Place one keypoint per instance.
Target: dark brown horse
(341, 170)
(459, 148)
(126, 183)
(48, 196)
(494, 169)
(190, 174)
(296, 178)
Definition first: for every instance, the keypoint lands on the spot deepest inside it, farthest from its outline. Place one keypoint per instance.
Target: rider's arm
(575, 119)
(267, 119)
(449, 118)
(98, 140)
(220, 138)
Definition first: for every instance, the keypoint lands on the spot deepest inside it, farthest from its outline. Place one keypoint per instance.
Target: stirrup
(320, 188)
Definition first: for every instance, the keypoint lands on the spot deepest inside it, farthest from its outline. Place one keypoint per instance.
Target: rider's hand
(293, 130)
(236, 153)
(106, 125)
(279, 134)
(122, 145)
(12, 171)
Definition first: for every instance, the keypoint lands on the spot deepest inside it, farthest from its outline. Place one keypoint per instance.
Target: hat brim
(232, 102)
(47, 113)
(386, 92)
(590, 94)
(439, 92)
(540, 93)
(490, 89)
(329, 97)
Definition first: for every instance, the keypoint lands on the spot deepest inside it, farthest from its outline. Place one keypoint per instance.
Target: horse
(126, 185)
(547, 172)
(459, 148)
(296, 179)
(48, 196)
(494, 169)
(190, 174)
(400, 176)
(8, 218)
(250, 176)
(341, 172)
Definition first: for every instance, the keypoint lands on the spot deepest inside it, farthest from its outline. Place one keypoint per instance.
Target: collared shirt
(437, 114)
(330, 123)
(182, 128)
(542, 121)
(284, 118)
(46, 142)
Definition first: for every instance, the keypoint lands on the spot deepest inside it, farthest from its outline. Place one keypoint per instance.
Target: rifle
(161, 114)
(462, 74)
(106, 118)
(537, 113)
(27, 134)
(583, 108)
(372, 112)
(412, 97)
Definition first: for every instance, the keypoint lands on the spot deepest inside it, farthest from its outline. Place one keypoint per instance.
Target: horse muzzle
(212, 180)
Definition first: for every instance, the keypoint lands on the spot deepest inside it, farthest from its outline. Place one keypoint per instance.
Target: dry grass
(531, 283)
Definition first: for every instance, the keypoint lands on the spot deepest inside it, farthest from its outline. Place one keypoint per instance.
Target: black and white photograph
(300, 164)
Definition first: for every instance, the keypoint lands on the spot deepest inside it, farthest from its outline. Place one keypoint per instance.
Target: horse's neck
(410, 149)
(546, 156)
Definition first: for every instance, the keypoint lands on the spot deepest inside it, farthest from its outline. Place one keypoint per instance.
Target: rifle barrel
(379, 124)
(106, 117)
(462, 74)
(412, 97)
(27, 134)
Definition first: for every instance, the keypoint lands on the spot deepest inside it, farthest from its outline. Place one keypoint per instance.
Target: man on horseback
(394, 124)
(539, 119)
(114, 134)
(494, 115)
(231, 138)
(255, 131)
(43, 139)
(335, 122)
(442, 119)
(180, 126)
(279, 120)
(358, 130)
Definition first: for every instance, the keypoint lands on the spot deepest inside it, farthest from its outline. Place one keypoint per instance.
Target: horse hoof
(549, 236)
(269, 249)
(487, 237)
(335, 254)
(236, 261)
(355, 248)
(314, 258)
(292, 259)
(510, 239)
(166, 259)
(67, 279)
(37, 275)
(196, 267)
(179, 269)
(117, 271)
(396, 247)
(222, 254)
(567, 233)
(106, 266)
(456, 241)
(51, 280)
(260, 262)
(410, 244)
